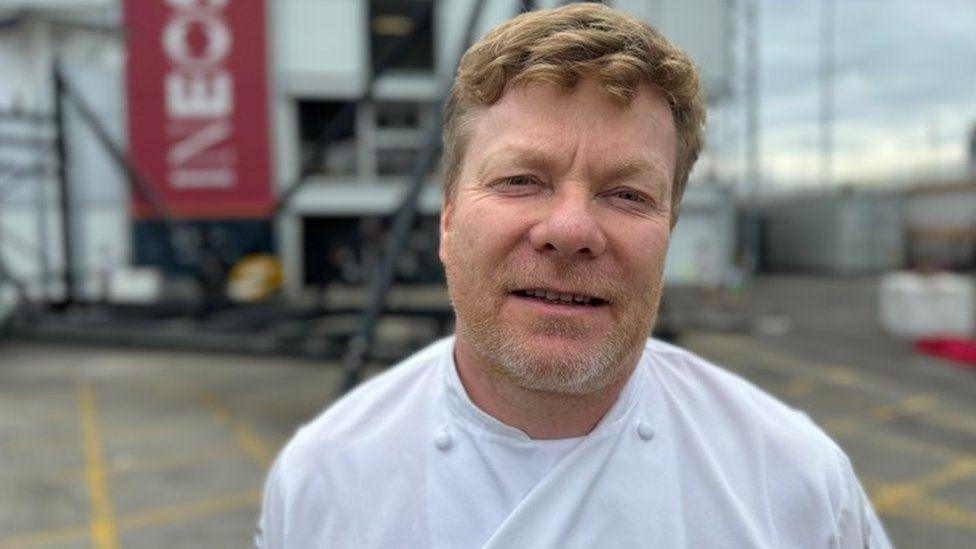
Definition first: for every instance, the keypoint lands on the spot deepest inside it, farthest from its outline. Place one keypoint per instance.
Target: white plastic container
(914, 305)
(136, 286)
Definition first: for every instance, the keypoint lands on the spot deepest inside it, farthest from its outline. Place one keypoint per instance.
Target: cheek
(645, 252)
(488, 235)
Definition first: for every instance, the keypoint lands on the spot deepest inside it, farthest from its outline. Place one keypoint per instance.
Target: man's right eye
(519, 180)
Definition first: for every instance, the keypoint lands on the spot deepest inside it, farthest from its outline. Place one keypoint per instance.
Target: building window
(397, 115)
(339, 155)
(390, 22)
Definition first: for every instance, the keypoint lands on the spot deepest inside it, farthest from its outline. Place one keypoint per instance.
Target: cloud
(903, 70)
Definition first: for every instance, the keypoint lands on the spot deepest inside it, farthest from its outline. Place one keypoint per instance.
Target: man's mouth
(561, 298)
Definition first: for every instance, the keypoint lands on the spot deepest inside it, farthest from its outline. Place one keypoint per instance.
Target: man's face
(555, 239)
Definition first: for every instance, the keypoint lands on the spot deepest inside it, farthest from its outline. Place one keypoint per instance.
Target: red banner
(197, 83)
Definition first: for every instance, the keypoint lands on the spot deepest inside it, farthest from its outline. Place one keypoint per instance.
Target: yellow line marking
(172, 461)
(902, 443)
(930, 510)
(888, 496)
(762, 358)
(799, 387)
(920, 405)
(252, 445)
(841, 426)
(950, 420)
(842, 375)
(191, 510)
(149, 430)
(911, 406)
(141, 519)
(915, 405)
(102, 526)
(154, 464)
(255, 448)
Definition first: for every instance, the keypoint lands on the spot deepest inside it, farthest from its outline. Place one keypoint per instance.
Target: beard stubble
(506, 351)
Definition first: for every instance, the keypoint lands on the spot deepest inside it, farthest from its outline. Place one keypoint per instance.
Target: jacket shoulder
(370, 419)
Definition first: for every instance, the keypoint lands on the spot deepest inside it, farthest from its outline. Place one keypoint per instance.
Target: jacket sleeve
(270, 527)
(858, 526)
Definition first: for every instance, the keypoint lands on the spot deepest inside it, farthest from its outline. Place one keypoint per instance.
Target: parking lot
(122, 447)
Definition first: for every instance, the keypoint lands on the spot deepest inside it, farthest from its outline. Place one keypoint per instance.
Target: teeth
(558, 297)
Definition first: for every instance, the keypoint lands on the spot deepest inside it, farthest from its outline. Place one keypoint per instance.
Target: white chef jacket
(690, 455)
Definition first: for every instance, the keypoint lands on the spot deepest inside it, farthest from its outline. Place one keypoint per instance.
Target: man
(550, 420)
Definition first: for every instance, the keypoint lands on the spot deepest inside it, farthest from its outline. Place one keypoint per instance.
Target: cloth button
(644, 430)
(442, 440)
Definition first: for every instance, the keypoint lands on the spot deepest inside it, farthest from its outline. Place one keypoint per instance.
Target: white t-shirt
(689, 456)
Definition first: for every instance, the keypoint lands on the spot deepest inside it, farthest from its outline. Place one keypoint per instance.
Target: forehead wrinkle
(635, 168)
(516, 155)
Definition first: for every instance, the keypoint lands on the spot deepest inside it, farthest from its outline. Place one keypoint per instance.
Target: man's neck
(539, 414)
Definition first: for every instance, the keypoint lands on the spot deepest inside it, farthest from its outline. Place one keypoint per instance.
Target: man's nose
(568, 228)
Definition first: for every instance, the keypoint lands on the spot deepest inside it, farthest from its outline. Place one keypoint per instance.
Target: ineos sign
(199, 95)
(202, 99)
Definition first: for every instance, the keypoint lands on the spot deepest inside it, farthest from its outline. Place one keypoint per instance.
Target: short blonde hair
(561, 46)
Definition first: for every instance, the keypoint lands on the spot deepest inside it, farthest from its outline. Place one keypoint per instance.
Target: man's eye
(631, 195)
(519, 180)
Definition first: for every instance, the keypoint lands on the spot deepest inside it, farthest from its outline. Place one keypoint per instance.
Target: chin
(553, 366)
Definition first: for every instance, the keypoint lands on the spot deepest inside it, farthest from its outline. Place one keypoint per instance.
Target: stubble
(506, 351)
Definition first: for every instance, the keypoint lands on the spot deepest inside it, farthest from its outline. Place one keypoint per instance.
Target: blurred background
(216, 217)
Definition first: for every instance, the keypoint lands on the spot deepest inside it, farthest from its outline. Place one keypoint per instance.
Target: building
(321, 57)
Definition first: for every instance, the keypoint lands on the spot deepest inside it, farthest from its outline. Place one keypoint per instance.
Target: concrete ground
(113, 447)
(109, 447)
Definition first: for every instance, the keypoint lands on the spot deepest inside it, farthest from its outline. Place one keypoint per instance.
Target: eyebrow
(634, 168)
(515, 155)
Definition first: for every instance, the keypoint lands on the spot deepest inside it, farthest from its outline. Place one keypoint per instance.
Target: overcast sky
(905, 89)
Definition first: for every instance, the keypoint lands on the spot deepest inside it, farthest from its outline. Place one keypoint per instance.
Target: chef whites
(689, 456)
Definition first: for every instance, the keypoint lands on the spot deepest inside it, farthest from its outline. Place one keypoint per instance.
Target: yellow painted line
(102, 526)
(146, 430)
(911, 406)
(716, 347)
(799, 387)
(151, 465)
(252, 445)
(842, 375)
(920, 406)
(192, 510)
(140, 520)
(172, 461)
(934, 511)
(879, 437)
(952, 421)
(841, 426)
(902, 443)
(888, 496)
(255, 447)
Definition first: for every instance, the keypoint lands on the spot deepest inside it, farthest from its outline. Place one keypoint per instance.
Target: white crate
(914, 305)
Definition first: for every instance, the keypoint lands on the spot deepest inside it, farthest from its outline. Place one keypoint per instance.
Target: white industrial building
(839, 231)
(321, 56)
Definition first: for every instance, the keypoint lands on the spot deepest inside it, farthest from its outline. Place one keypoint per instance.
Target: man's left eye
(631, 196)
(518, 180)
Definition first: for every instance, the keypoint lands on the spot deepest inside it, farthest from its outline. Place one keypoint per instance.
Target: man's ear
(445, 225)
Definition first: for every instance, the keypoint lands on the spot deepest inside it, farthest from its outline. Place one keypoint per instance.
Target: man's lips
(561, 297)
